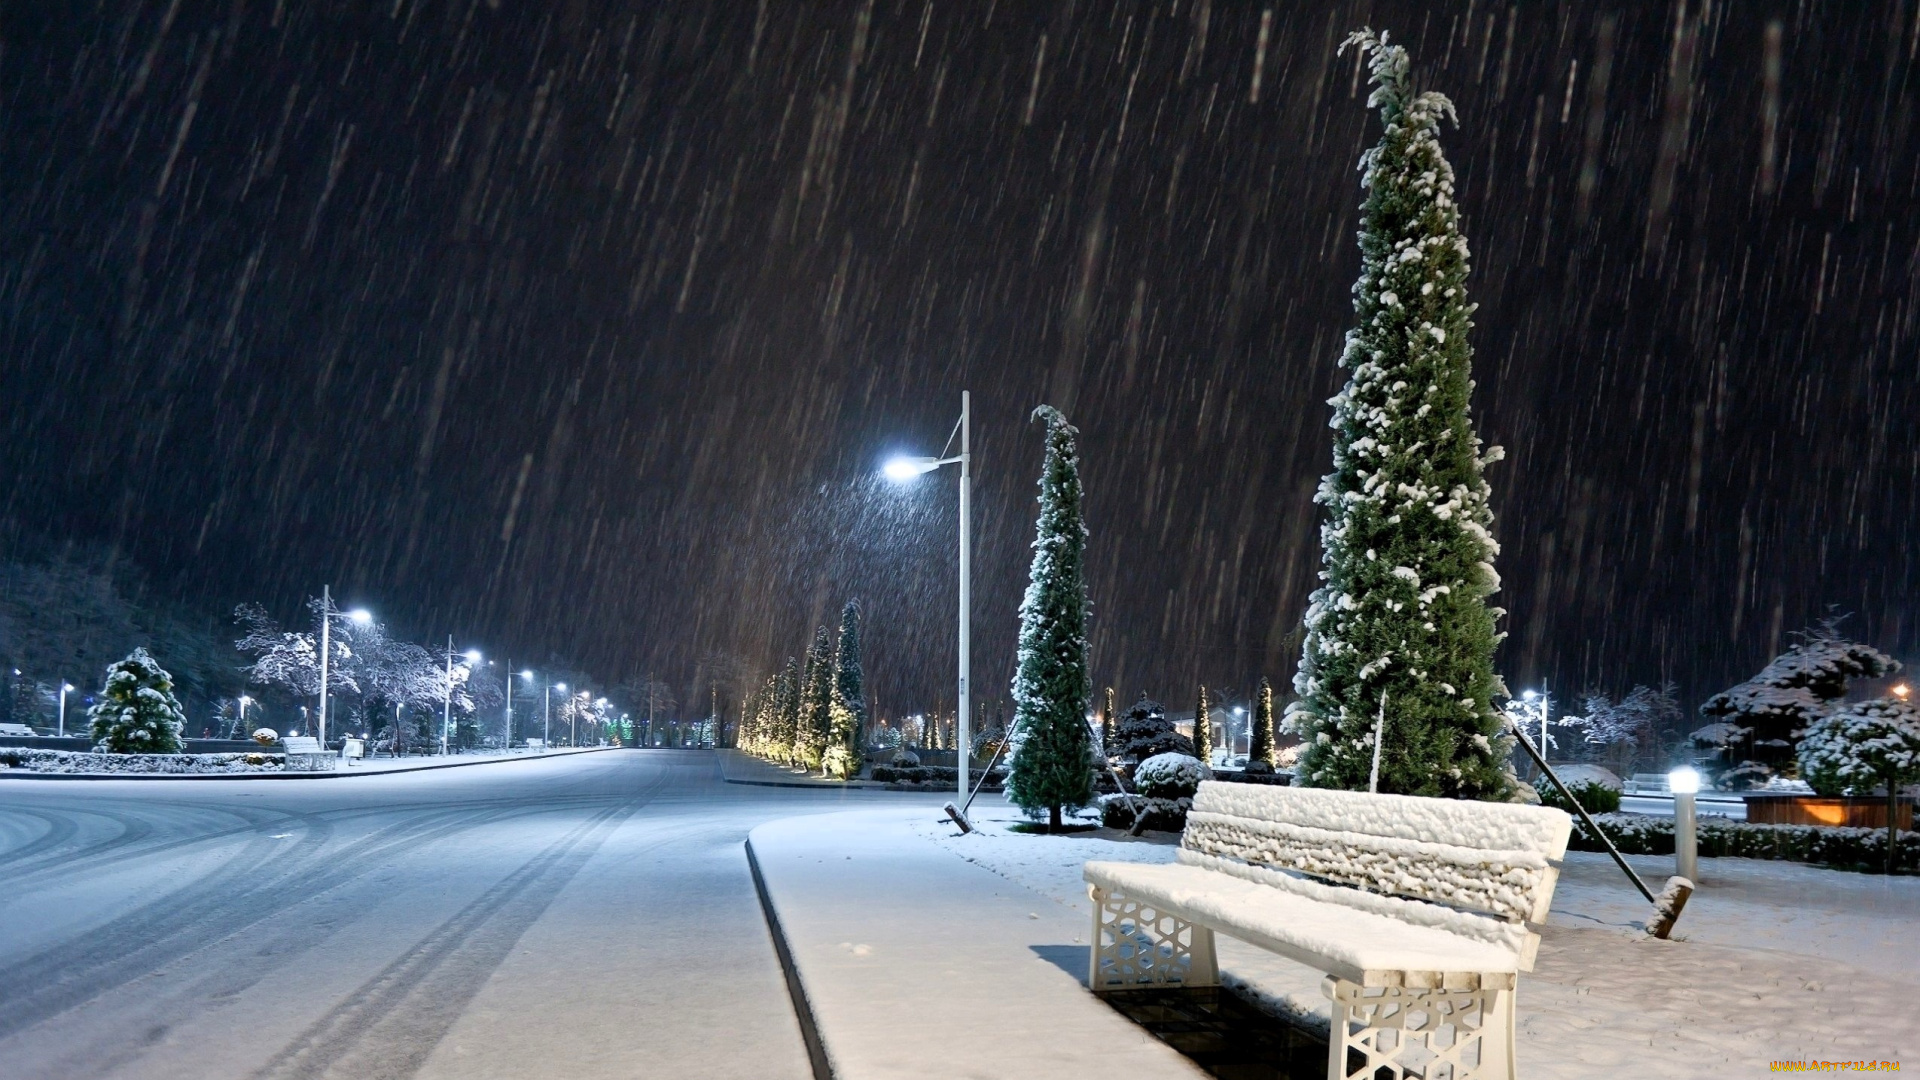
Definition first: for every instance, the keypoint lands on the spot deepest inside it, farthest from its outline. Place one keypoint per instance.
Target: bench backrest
(1495, 858)
(302, 744)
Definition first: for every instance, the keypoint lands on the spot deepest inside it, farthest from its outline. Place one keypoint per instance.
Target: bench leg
(1135, 945)
(1459, 1034)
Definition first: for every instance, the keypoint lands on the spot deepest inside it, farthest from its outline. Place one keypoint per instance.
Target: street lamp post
(359, 615)
(446, 715)
(65, 689)
(906, 468)
(506, 733)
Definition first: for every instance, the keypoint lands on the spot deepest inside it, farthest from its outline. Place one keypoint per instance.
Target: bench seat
(1415, 908)
(1366, 948)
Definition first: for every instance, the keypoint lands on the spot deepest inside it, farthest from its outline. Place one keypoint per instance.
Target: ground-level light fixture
(1684, 783)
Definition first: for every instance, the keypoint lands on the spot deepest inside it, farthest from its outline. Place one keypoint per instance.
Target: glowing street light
(903, 469)
(65, 689)
(472, 656)
(358, 615)
(1901, 691)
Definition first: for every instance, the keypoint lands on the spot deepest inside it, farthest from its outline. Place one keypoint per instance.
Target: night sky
(580, 328)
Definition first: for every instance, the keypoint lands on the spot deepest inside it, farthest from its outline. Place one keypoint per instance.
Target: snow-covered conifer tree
(1407, 550)
(1260, 748)
(816, 705)
(137, 712)
(787, 725)
(1758, 722)
(1144, 731)
(1106, 724)
(1202, 729)
(1863, 745)
(850, 680)
(1052, 766)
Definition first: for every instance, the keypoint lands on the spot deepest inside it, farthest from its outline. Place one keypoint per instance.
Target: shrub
(1595, 797)
(839, 762)
(1842, 848)
(1163, 815)
(1170, 776)
(906, 757)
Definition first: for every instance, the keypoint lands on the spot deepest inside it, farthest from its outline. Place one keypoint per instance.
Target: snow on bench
(304, 754)
(1415, 908)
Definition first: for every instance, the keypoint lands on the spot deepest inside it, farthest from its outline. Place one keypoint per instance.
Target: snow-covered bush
(905, 758)
(137, 712)
(265, 736)
(1863, 746)
(1163, 815)
(1170, 776)
(70, 761)
(1596, 794)
(1839, 847)
(839, 762)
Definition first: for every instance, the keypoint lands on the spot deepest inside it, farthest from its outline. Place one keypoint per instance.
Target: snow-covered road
(574, 916)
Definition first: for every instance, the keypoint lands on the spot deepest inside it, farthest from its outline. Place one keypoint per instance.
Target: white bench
(1416, 909)
(305, 755)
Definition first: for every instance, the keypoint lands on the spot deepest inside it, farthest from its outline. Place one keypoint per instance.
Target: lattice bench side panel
(1136, 944)
(1428, 1034)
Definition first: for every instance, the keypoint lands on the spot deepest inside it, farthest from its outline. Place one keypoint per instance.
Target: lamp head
(66, 687)
(472, 655)
(902, 469)
(527, 675)
(1684, 780)
(560, 686)
(361, 616)
(1529, 695)
(1902, 691)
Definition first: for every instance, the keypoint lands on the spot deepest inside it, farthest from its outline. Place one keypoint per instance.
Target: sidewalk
(883, 931)
(362, 767)
(1771, 960)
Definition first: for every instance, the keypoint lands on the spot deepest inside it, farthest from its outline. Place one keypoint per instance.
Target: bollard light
(1684, 783)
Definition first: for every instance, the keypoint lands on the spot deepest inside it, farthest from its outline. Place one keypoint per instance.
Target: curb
(802, 1009)
(337, 774)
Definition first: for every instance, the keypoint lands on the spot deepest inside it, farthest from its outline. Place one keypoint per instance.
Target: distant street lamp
(1240, 710)
(327, 615)
(903, 469)
(562, 687)
(1901, 691)
(65, 689)
(446, 717)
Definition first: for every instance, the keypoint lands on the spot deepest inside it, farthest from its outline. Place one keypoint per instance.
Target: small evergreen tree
(1260, 750)
(850, 681)
(137, 712)
(1759, 721)
(816, 706)
(1861, 746)
(1202, 730)
(1144, 732)
(1052, 766)
(1407, 547)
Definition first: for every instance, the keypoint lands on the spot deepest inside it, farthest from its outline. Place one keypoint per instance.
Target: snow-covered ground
(1770, 960)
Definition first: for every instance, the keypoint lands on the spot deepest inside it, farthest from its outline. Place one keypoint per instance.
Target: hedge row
(930, 774)
(1843, 848)
(71, 761)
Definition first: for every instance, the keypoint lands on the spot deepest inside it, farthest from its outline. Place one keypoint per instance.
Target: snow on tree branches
(1759, 721)
(137, 713)
(1053, 765)
(1407, 547)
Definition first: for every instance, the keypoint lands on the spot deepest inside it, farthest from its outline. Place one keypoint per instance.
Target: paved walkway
(888, 933)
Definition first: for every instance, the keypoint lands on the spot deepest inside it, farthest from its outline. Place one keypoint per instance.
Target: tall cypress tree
(1260, 750)
(849, 679)
(1106, 725)
(787, 714)
(1052, 766)
(816, 705)
(1202, 729)
(1407, 548)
